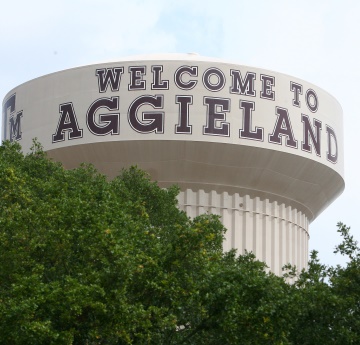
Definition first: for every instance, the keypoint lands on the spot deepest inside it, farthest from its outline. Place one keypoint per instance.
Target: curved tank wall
(262, 149)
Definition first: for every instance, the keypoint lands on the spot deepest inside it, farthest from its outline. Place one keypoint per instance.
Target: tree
(84, 260)
(90, 261)
(326, 300)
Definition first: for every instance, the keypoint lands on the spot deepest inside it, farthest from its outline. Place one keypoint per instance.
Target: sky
(315, 40)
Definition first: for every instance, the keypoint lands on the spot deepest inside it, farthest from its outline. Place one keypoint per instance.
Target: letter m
(242, 86)
(15, 126)
(109, 76)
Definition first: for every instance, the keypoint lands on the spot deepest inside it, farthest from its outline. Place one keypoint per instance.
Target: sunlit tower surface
(261, 149)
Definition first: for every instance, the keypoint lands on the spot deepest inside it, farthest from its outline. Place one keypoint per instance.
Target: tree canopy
(84, 260)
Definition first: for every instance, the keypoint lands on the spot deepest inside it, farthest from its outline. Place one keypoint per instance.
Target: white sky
(315, 40)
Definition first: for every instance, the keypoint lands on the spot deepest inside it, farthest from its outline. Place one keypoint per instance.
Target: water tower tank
(262, 149)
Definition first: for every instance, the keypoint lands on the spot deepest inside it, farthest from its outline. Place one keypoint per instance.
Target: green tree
(84, 260)
(90, 261)
(326, 300)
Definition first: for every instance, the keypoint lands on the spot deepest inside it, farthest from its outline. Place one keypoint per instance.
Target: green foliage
(84, 260)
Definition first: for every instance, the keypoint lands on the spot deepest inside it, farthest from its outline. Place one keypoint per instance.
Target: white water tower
(262, 149)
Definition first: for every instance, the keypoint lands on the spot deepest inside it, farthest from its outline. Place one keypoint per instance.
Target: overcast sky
(315, 40)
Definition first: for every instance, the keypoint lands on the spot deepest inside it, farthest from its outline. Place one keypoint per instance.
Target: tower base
(276, 233)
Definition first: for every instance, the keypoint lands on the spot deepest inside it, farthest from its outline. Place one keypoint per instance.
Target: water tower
(262, 149)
